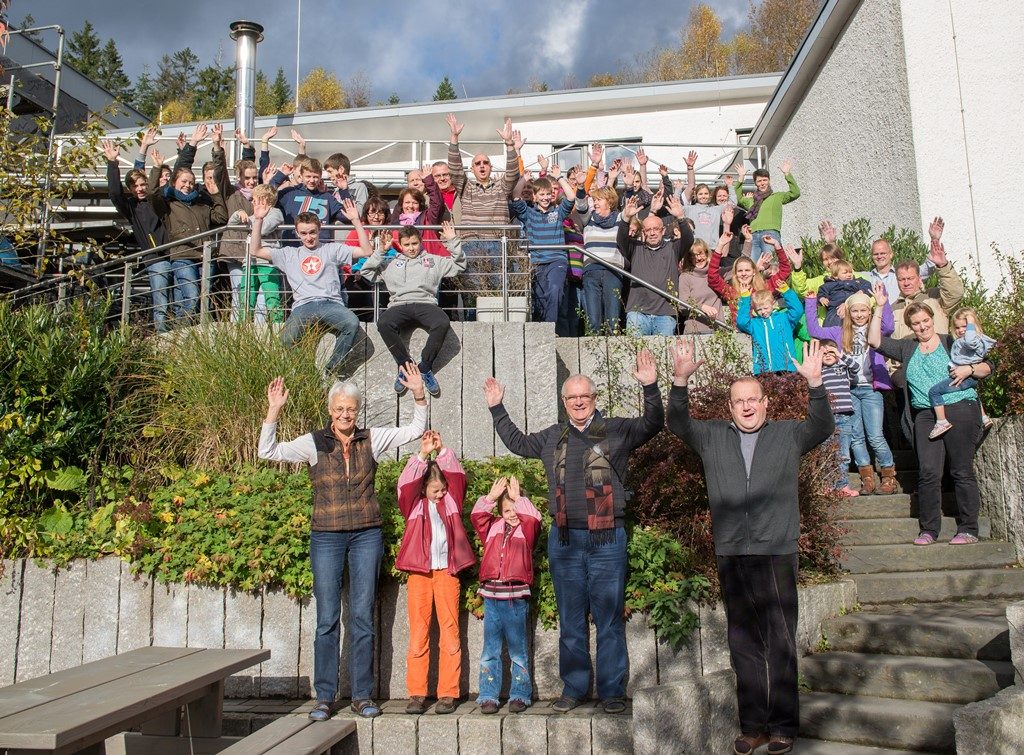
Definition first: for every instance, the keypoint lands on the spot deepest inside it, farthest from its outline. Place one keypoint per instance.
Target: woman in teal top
(926, 358)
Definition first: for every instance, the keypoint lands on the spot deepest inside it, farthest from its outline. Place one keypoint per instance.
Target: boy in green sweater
(764, 209)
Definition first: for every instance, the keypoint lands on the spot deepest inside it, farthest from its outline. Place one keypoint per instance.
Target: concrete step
(939, 680)
(901, 531)
(950, 630)
(894, 506)
(878, 721)
(939, 586)
(871, 559)
(820, 747)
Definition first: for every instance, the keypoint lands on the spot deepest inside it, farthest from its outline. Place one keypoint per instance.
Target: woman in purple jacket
(868, 403)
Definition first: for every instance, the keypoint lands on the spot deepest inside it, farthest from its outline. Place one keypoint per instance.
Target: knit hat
(859, 298)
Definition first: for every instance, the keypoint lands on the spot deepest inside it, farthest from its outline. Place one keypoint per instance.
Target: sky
(485, 47)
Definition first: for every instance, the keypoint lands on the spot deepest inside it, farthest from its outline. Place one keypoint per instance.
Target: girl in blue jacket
(770, 329)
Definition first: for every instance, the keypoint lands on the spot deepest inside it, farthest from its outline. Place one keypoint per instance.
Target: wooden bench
(177, 693)
(295, 735)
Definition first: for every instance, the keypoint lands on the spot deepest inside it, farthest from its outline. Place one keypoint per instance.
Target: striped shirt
(483, 204)
(496, 590)
(838, 380)
(544, 228)
(600, 242)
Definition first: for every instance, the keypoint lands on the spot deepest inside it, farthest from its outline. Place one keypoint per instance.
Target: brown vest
(343, 499)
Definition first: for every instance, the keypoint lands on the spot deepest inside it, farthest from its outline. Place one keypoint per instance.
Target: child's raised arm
(260, 210)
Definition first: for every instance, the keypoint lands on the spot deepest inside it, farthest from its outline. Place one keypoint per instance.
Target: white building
(900, 110)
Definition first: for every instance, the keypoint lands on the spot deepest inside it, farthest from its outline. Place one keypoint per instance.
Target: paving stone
(307, 636)
(394, 734)
(446, 409)
(472, 633)
(541, 370)
(1015, 621)
(170, 615)
(362, 743)
(477, 365)
(641, 644)
(392, 639)
(278, 677)
(817, 603)
(10, 617)
(36, 622)
(134, 611)
(479, 734)
(68, 617)
(438, 735)
(205, 617)
(103, 586)
(612, 734)
(694, 718)
(243, 616)
(523, 735)
(547, 685)
(569, 733)
(714, 639)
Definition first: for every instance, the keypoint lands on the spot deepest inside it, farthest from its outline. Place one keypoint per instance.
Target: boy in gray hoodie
(412, 279)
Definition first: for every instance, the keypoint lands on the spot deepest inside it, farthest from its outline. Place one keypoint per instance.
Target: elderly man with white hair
(585, 460)
(346, 525)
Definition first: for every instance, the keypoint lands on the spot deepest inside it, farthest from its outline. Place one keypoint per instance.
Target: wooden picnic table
(174, 694)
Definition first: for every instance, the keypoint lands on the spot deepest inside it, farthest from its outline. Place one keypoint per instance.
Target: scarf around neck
(604, 221)
(192, 196)
(247, 193)
(759, 197)
(597, 482)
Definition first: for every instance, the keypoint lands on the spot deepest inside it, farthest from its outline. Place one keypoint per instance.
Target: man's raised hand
(935, 229)
(454, 126)
(631, 208)
(810, 368)
(148, 138)
(241, 137)
(683, 362)
(542, 163)
(596, 153)
(646, 371)
(518, 141)
(297, 138)
(198, 134)
(675, 207)
(741, 171)
(494, 391)
(268, 135)
(349, 209)
(506, 133)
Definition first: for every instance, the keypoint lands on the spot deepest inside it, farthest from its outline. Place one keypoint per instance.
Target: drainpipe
(247, 34)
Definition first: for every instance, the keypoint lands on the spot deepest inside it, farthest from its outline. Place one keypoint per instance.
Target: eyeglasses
(578, 396)
(446, 174)
(481, 162)
(746, 401)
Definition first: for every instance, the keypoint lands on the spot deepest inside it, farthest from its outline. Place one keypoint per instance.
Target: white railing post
(126, 293)
(204, 282)
(504, 274)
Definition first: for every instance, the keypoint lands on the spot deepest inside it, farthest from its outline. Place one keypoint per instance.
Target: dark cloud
(485, 47)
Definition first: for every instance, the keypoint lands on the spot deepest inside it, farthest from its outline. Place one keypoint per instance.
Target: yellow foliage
(176, 111)
(321, 90)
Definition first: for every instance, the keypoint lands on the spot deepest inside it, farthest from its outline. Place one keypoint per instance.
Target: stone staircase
(931, 635)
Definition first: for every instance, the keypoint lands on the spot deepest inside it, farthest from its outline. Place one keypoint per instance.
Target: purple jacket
(880, 379)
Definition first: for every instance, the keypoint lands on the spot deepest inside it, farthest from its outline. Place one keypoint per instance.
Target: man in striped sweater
(484, 200)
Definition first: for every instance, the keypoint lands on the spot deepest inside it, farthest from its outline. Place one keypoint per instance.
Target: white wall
(982, 68)
(850, 139)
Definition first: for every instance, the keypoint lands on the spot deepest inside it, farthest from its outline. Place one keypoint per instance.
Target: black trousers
(759, 593)
(428, 316)
(960, 442)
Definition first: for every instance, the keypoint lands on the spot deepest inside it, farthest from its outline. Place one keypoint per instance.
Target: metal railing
(504, 273)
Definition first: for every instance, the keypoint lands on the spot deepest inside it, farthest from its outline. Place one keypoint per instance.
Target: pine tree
(445, 91)
(176, 76)
(27, 23)
(214, 92)
(110, 72)
(280, 93)
(144, 95)
(84, 51)
(393, 99)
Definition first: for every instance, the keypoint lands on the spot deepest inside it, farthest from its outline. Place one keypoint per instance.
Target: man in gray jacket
(413, 278)
(756, 522)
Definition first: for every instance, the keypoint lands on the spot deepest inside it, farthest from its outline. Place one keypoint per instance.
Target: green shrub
(855, 239)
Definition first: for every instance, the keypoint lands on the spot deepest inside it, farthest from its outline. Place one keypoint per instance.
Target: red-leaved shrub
(670, 494)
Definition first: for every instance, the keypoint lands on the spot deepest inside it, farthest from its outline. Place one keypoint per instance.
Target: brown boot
(888, 485)
(867, 479)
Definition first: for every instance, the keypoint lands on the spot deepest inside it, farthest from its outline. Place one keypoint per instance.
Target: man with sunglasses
(585, 460)
(483, 200)
(755, 518)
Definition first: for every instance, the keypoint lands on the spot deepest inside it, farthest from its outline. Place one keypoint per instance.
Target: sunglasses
(481, 162)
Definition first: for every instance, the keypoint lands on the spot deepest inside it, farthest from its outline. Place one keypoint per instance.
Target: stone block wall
(997, 466)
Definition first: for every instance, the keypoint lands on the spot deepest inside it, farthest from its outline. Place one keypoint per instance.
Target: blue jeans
(327, 554)
(936, 393)
(590, 578)
(332, 314)
(868, 419)
(844, 426)
(548, 286)
(186, 287)
(651, 325)
(160, 281)
(602, 297)
(758, 245)
(505, 619)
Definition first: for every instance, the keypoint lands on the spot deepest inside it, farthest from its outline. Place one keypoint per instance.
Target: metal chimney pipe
(247, 34)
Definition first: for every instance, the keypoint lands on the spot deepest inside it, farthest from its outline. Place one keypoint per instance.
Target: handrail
(649, 286)
(105, 266)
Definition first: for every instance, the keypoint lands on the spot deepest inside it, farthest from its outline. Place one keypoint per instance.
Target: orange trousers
(438, 591)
